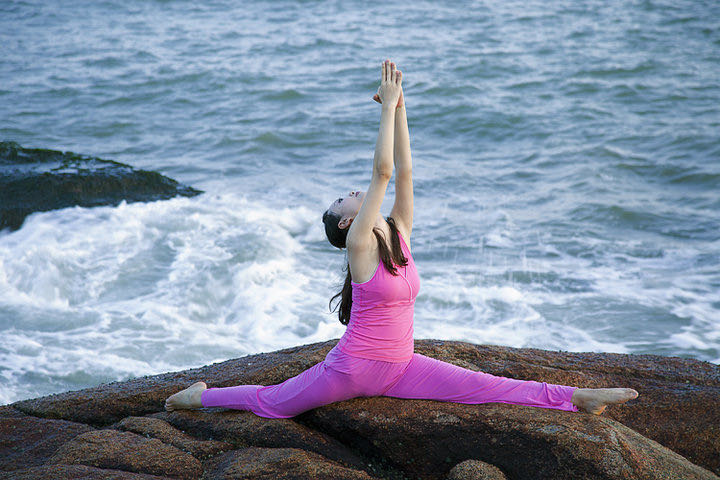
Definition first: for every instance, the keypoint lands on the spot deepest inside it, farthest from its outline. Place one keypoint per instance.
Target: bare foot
(188, 398)
(594, 400)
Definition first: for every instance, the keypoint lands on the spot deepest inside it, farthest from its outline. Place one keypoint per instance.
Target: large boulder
(678, 402)
(475, 470)
(669, 431)
(112, 449)
(278, 464)
(427, 438)
(242, 429)
(37, 180)
(79, 472)
(29, 441)
(162, 430)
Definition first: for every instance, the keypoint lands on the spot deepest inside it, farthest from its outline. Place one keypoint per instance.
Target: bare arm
(402, 210)
(360, 232)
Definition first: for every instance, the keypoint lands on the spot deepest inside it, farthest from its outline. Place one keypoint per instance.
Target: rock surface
(243, 429)
(475, 470)
(78, 472)
(669, 431)
(278, 464)
(37, 180)
(424, 438)
(129, 452)
(29, 441)
(162, 430)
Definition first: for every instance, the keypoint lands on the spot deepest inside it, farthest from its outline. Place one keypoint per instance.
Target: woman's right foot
(188, 398)
(595, 400)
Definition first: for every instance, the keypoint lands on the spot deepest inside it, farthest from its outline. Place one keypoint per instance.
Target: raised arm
(360, 233)
(402, 210)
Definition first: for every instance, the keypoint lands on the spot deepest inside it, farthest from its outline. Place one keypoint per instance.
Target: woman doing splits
(375, 355)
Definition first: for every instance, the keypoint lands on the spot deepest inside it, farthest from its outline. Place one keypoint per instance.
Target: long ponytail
(389, 260)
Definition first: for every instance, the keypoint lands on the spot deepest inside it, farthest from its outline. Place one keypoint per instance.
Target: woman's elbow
(383, 173)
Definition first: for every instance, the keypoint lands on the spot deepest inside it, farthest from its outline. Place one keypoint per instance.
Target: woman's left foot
(595, 400)
(188, 398)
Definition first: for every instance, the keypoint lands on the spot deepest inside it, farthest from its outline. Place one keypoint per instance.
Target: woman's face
(349, 205)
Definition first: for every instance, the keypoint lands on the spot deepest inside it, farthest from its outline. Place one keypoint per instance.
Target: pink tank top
(381, 318)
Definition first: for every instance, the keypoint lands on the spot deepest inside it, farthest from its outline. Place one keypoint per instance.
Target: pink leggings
(341, 377)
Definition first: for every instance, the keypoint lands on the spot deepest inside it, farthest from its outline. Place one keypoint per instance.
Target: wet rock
(243, 428)
(77, 472)
(37, 180)
(28, 441)
(278, 464)
(475, 470)
(127, 451)
(163, 431)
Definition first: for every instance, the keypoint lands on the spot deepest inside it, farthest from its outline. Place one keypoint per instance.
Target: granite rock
(475, 470)
(75, 472)
(29, 441)
(112, 449)
(669, 431)
(278, 464)
(163, 431)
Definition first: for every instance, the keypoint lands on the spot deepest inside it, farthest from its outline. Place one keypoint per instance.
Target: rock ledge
(38, 180)
(120, 430)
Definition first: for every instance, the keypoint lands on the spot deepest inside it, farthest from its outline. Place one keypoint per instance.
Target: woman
(375, 355)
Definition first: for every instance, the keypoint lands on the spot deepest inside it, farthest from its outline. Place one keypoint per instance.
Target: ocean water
(566, 166)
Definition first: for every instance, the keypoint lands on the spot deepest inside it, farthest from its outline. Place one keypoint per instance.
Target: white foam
(147, 288)
(454, 306)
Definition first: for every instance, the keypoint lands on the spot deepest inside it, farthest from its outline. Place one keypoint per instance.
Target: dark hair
(337, 238)
(335, 234)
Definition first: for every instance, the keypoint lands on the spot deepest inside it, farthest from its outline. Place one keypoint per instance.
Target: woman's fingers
(389, 75)
(389, 72)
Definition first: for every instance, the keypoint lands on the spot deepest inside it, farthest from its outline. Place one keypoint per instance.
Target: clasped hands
(390, 85)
